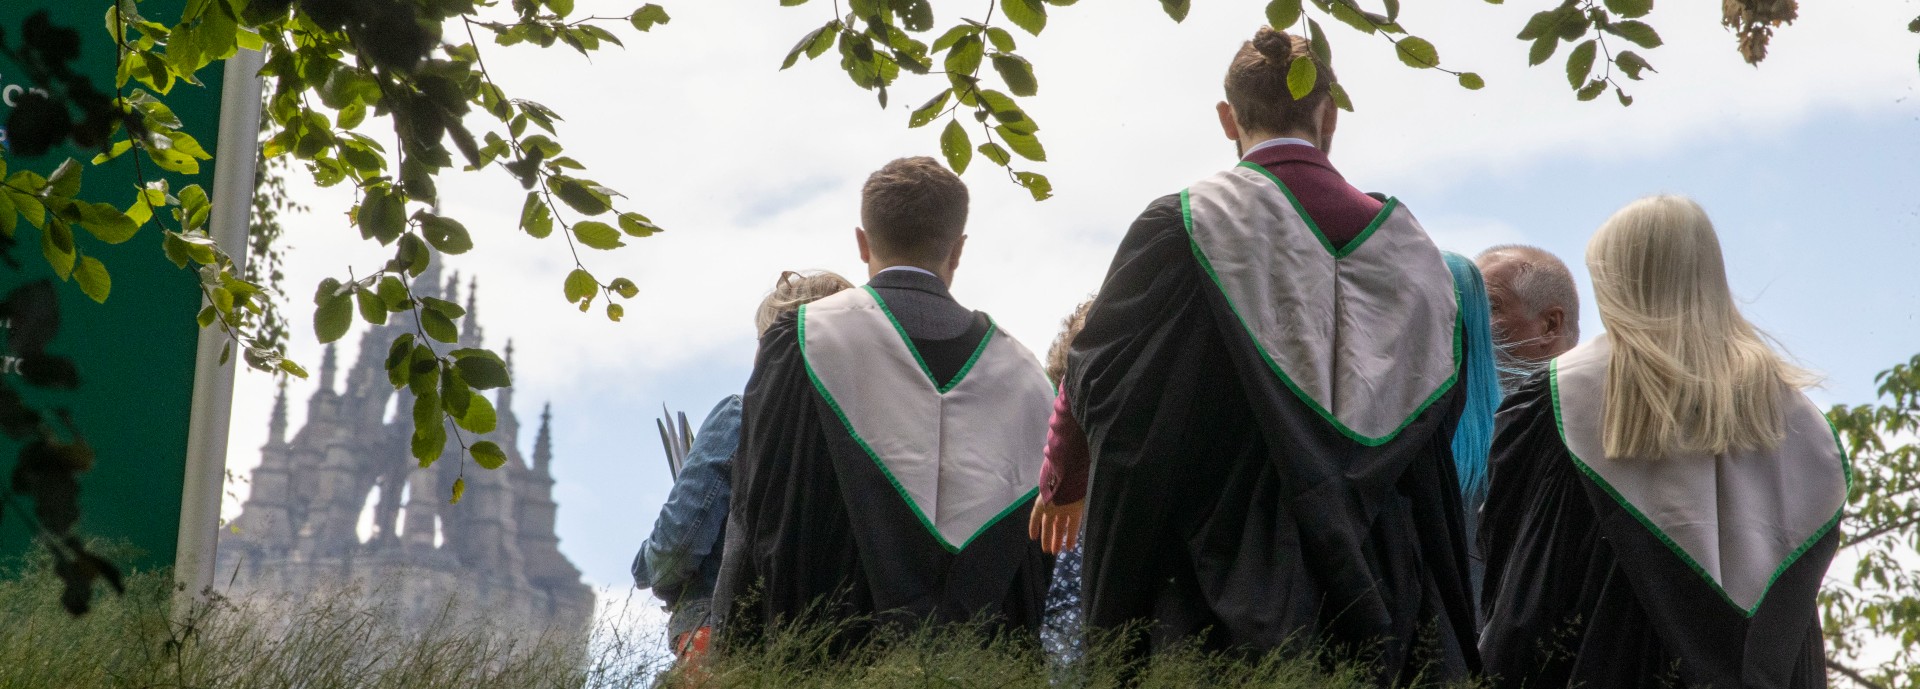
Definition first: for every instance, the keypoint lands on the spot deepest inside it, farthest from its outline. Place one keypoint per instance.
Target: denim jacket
(680, 561)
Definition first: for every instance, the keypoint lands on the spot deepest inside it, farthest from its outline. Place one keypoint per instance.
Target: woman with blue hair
(1473, 438)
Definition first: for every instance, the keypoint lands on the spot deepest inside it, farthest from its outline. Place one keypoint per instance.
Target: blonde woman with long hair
(1664, 497)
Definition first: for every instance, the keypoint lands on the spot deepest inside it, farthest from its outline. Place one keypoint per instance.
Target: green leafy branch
(874, 57)
(1573, 20)
(1880, 600)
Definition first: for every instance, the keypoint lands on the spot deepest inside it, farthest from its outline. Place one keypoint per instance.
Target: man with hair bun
(1267, 385)
(889, 434)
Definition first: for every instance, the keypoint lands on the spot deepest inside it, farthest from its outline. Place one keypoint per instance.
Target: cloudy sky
(1807, 165)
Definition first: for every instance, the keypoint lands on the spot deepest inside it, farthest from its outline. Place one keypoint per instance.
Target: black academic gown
(1580, 594)
(1224, 510)
(823, 536)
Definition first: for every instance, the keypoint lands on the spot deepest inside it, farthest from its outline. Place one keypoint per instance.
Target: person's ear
(866, 252)
(1553, 322)
(1228, 122)
(953, 257)
(1329, 120)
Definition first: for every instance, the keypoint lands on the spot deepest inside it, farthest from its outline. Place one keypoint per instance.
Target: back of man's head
(914, 211)
(1257, 85)
(1538, 281)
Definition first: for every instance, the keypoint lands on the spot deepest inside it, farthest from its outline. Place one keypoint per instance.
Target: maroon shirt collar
(1278, 155)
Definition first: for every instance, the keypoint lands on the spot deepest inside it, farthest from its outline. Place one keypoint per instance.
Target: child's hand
(1056, 527)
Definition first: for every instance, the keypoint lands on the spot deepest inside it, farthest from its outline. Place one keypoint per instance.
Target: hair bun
(1274, 44)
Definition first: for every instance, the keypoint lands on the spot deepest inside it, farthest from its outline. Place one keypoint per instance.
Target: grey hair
(1543, 281)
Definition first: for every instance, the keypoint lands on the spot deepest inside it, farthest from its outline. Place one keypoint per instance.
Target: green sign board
(135, 353)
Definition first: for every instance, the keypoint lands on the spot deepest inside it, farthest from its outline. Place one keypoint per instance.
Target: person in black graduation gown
(1663, 498)
(1242, 496)
(829, 532)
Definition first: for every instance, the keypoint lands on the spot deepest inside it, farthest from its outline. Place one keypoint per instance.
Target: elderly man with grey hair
(1535, 308)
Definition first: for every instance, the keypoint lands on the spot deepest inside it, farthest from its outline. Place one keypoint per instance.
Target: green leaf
(953, 35)
(1344, 11)
(955, 145)
(580, 195)
(399, 356)
(1417, 52)
(597, 235)
(1471, 81)
(446, 234)
(1035, 184)
(1317, 40)
(479, 416)
(915, 15)
(996, 153)
(1592, 90)
(488, 455)
(1340, 99)
(1542, 49)
(1000, 38)
(805, 44)
(393, 294)
(106, 222)
(429, 441)
(1632, 64)
(1300, 78)
(637, 225)
(444, 307)
(1539, 25)
(1635, 31)
(648, 16)
(373, 309)
(930, 110)
(1625, 100)
(1177, 9)
(1630, 9)
(9, 215)
(93, 278)
(59, 255)
(332, 317)
(624, 287)
(615, 312)
(535, 217)
(382, 215)
(1017, 72)
(65, 181)
(580, 285)
(964, 56)
(483, 371)
(459, 484)
(1026, 145)
(1282, 14)
(1029, 15)
(438, 326)
(1580, 62)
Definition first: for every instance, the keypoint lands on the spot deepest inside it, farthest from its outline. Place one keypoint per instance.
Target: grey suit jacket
(945, 333)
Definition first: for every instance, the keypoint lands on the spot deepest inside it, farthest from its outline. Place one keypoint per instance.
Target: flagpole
(212, 405)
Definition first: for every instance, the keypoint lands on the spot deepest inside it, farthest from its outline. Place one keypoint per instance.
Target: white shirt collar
(1273, 143)
(915, 269)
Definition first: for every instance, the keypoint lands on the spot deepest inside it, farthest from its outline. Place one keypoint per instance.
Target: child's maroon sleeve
(1063, 476)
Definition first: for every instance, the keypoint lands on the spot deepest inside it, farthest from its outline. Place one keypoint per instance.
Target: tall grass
(349, 638)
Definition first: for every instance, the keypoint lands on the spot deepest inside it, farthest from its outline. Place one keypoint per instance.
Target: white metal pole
(233, 171)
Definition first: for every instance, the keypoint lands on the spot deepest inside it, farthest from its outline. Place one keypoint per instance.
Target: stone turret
(302, 526)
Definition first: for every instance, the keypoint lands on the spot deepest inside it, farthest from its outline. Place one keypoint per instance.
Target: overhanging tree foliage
(1873, 612)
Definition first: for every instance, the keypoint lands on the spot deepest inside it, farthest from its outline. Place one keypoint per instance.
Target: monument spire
(328, 364)
(470, 325)
(543, 442)
(277, 424)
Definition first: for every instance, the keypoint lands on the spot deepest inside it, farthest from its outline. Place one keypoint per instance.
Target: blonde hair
(794, 289)
(1688, 373)
(1069, 327)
